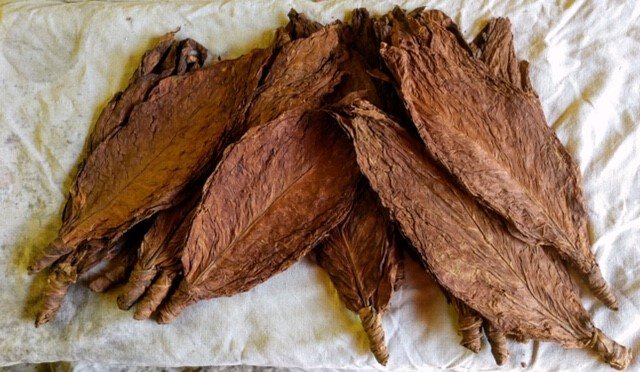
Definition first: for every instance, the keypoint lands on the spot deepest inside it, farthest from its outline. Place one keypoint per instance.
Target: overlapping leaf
(363, 260)
(493, 138)
(517, 288)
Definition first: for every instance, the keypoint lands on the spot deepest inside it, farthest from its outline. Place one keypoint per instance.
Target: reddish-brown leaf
(157, 63)
(159, 257)
(303, 73)
(160, 251)
(169, 140)
(66, 272)
(363, 260)
(493, 138)
(275, 194)
(518, 288)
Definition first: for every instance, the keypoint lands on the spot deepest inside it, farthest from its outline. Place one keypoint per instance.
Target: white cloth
(60, 63)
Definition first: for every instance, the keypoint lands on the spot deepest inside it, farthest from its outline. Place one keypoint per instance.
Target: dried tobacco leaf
(367, 281)
(364, 262)
(169, 57)
(157, 63)
(169, 140)
(116, 271)
(503, 153)
(517, 288)
(351, 63)
(300, 27)
(306, 81)
(494, 46)
(303, 73)
(158, 261)
(469, 325)
(424, 18)
(274, 195)
(158, 258)
(66, 272)
(367, 35)
(164, 241)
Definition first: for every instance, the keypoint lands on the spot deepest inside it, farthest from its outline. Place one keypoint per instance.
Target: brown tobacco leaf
(469, 325)
(495, 48)
(504, 153)
(364, 261)
(169, 141)
(66, 272)
(274, 195)
(158, 261)
(303, 73)
(425, 18)
(156, 64)
(367, 35)
(517, 288)
(299, 26)
(116, 271)
(351, 63)
(288, 78)
(307, 82)
(165, 240)
(169, 57)
(159, 256)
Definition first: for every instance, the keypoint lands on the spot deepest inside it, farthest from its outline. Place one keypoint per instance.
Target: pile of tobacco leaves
(352, 142)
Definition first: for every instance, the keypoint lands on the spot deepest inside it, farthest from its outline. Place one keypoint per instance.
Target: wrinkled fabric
(60, 64)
